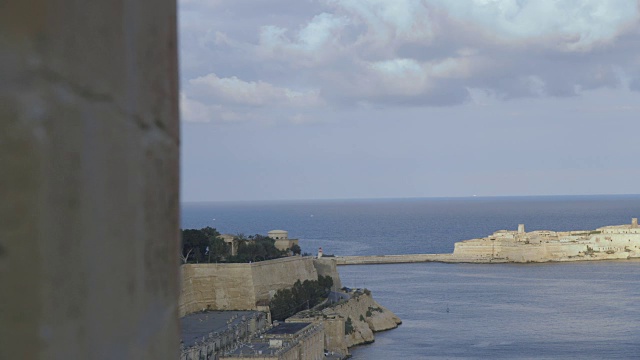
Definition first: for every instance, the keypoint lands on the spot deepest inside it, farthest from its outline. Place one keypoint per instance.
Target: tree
(325, 282)
(295, 249)
(303, 295)
(195, 242)
(184, 258)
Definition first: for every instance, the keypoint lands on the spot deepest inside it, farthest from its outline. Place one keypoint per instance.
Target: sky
(331, 99)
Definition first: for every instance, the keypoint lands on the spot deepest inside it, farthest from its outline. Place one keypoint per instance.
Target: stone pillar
(521, 228)
(634, 222)
(88, 179)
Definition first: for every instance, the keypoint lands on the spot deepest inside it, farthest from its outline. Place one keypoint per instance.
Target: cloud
(251, 93)
(387, 21)
(572, 25)
(195, 111)
(406, 52)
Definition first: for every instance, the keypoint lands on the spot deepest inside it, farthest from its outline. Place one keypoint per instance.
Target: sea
(580, 310)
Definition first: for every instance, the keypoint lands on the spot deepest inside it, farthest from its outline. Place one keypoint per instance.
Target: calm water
(548, 311)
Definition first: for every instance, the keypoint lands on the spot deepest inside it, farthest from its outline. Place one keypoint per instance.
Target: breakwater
(400, 259)
(456, 259)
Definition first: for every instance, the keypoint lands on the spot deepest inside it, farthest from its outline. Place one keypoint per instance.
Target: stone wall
(327, 267)
(272, 275)
(216, 287)
(239, 286)
(89, 150)
(334, 339)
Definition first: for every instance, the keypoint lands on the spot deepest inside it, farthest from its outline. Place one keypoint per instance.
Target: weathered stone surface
(89, 150)
(240, 286)
(605, 243)
(327, 267)
(367, 317)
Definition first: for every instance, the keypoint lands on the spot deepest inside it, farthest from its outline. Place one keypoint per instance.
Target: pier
(410, 258)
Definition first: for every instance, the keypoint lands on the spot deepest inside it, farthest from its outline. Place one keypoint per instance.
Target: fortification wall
(239, 286)
(273, 275)
(328, 267)
(216, 287)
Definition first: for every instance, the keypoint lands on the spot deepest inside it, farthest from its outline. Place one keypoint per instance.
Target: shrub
(348, 326)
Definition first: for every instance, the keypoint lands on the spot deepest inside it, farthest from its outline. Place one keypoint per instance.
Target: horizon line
(405, 198)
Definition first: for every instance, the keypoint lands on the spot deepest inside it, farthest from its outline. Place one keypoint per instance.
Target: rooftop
(198, 325)
(287, 328)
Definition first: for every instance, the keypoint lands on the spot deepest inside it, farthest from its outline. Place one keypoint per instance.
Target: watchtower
(520, 228)
(634, 222)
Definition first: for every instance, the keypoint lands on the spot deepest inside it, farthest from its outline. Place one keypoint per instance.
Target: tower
(520, 228)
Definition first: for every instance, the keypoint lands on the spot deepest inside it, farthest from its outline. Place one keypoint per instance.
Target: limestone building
(282, 239)
(231, 242)
(285, 341)
(608, 242)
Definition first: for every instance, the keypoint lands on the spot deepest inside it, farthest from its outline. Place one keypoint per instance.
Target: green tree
(295, 249)
(194, 245)
(325, 282)
(301, 296)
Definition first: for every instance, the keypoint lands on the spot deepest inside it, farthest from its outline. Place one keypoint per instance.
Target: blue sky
(314, 99)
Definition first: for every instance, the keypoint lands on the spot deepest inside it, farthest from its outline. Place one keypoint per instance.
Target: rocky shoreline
(351, 322)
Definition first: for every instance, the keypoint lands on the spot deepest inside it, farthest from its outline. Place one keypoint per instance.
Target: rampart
(605, 243)
(504, 246)
(240, 286)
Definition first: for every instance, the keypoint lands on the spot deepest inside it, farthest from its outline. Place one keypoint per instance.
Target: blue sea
(587, 310)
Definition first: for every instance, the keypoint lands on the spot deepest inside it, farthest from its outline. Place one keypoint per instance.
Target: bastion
(604, 243)
(246, 286)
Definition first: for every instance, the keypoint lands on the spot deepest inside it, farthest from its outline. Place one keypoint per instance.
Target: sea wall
(396, 259)
(239, 286)
(603, 248)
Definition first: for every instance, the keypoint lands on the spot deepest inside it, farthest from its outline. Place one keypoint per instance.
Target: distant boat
(447, 308)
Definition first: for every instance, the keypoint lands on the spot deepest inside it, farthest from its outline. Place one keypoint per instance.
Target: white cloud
(420, 52)
(398, 77)
(252, 93)
(195, 111)
(314, 43)
(388, 21)
(571, 24)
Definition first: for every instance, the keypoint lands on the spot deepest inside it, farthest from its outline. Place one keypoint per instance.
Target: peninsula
(519, 246)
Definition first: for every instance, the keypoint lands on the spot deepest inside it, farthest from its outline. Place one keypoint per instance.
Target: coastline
(616, 242)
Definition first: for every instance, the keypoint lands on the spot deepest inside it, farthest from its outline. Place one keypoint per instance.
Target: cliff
(352, 322)
(367, 317)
